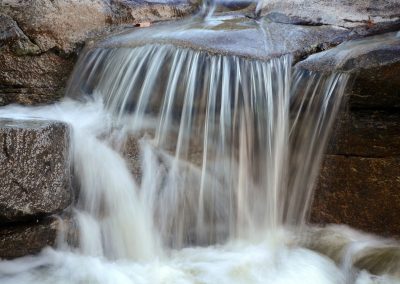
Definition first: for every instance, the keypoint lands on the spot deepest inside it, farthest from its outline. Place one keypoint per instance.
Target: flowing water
(228, 148)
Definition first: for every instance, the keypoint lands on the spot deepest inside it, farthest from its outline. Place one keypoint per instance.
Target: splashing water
(229, 152)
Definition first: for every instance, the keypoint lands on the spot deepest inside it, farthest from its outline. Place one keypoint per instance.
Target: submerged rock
(34, 169)
(350, 248)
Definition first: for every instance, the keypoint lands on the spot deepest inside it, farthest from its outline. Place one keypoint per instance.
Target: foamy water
(277, 257)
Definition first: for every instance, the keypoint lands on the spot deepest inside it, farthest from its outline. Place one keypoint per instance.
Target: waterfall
(228, 146)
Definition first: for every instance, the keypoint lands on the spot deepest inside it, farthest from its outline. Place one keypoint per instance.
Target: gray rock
(356, 55)
(12, 36)
(342, 244)
(40, 39)
(64, 24)
(375, 63)
(237, 35)
(34, 169)
(130, 149)
(361, 16)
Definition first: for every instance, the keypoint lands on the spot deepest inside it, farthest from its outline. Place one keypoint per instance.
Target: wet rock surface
(131, 152)
(377, 87)
(367, 133)
(362, 17)
(360, 192)
(236, 35)
(345, 245)
(356, 55)
(34, 169)
(360, 178)
(24, 239)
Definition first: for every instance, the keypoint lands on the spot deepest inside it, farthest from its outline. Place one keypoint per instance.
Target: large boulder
(64, 24)
(355, 55)
(34, 169)
(361, 17)
(40, 39)
(238, 36)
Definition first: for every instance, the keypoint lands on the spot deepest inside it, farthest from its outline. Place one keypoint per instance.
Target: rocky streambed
(39, 43)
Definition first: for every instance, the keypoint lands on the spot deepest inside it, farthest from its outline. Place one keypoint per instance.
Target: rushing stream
(229, 147)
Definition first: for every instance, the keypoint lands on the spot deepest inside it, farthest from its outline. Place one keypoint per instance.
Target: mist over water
(229, 149)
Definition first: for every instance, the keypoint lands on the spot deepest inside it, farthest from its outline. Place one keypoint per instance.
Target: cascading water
(229, 149)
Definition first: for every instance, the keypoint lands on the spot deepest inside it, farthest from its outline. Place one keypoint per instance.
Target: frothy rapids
(228, 149)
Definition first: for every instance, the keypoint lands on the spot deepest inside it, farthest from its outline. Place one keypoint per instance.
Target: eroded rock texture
(40, 39)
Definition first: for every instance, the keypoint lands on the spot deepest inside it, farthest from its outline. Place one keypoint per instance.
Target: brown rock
(367, 133)
(33, 79)
(377, 87)
(361, 192)
(12, 37)
(57, 24)
(34, 169)
(64, 24)
(131, 152)
(54, 31)
(129, 11)
(18, 240)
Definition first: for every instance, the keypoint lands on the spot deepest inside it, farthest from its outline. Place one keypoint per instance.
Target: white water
(278, 258)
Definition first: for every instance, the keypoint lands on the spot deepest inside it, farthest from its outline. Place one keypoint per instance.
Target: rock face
(360, 177)
(34, 169)
(361, 192)
(24, 239)
(355, 55)
(35, 184)
(362, 17)
(40, 40)
(367, 133)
